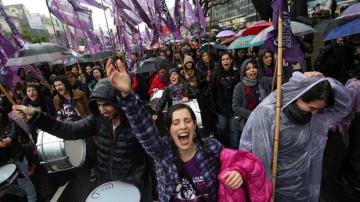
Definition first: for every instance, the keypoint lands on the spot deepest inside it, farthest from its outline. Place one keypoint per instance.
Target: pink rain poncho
(250, 167)
(301, 147)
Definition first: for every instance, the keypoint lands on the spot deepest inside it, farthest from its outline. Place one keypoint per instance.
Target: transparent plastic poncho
(301, 146)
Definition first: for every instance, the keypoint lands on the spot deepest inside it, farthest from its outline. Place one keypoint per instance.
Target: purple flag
(200, 14)
(5, 44)
(142, 13)
(179, 18)
(175, 31)
(15, 33)
(2, 58)
(65, 12)
(291, 48)
(190, 16)
(93, 3)
(123, 38)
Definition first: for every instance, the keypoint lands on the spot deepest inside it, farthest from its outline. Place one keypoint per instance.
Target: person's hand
(119, 78)
(154, 117)
(208, 78)
(23, 111)
(233, 179)
(180, 66)
(185, 99)
(312, 74)
(2, 144)
(7, 141)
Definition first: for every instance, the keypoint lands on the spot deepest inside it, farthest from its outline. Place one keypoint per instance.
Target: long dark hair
(321, 91)
(260, 58)
(68, 88)
(198, 140)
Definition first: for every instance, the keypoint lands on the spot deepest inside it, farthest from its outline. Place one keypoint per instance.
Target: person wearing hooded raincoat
(301, 146)
(248, 93)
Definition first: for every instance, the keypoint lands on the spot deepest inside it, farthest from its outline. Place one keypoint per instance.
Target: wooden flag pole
(208, 66)
(278, 106)
(7, 95)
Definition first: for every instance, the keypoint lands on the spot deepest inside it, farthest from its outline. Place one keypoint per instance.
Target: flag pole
(278, 105)
(7, 95)
(208, 66)
(107, 26)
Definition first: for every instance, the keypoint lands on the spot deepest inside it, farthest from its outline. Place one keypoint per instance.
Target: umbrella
(149, 65)
(225, 33)
(326, 26)
(256, 28)
(297, 28)
(350, 13)
(243, 42)
(39, 52)
(102, 55)
(348, 29)
(82, 59)
(229, 40)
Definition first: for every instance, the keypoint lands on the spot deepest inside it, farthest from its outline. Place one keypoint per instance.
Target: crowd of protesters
(179, 157)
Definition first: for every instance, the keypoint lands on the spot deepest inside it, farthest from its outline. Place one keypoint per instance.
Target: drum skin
(56, 154)
(114, 191)
(8, 174)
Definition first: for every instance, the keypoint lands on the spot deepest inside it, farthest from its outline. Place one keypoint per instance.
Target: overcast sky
(39, 6)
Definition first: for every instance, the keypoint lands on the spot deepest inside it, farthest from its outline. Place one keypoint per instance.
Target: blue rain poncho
(301, 147)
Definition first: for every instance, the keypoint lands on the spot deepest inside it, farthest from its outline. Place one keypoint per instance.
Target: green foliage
(28, 36)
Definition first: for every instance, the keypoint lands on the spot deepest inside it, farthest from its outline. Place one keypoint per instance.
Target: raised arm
(140, 121)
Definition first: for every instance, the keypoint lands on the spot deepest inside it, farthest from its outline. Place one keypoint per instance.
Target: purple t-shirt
(68, 112)
(184, 191)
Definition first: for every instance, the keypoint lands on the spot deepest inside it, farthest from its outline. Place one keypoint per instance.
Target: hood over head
(103, 91)
(243, 68)
(188, 59)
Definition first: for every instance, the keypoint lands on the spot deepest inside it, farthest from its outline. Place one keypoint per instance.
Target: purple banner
(291, 48)
(5, 44)
(190, 16)
(175, 31)
(93, 3)
(200, 14)
(15, 33)
(64, 11)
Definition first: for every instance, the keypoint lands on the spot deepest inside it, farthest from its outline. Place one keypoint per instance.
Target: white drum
(57, 154)
(155, 97)
(114, 191)
(8, 174)
(194, 105)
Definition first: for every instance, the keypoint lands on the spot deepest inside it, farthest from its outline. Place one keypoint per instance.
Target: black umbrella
(39, 52)
(82, 59)
(149, 65)
(102, 55)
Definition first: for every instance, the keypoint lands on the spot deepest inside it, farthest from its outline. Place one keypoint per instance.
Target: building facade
(234, 13)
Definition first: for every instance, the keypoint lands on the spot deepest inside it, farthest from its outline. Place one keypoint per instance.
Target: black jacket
(222, 90)
(119, 154)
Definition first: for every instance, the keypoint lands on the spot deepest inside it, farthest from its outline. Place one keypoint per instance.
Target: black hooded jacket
(119, 154)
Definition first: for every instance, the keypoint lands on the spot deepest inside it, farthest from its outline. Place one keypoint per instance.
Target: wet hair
(67, 85)
(220, 69)
(197, 140)
(321, 91)
(176, 107)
